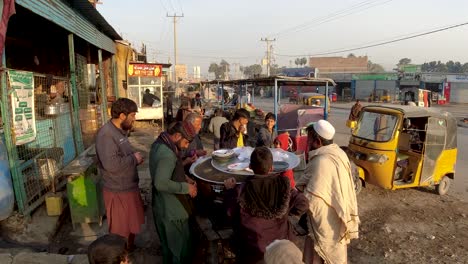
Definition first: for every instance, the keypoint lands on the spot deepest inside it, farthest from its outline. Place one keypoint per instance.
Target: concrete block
(39, 258)
(6, 258)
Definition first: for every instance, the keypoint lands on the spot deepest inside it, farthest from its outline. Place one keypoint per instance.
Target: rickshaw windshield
(376, 126)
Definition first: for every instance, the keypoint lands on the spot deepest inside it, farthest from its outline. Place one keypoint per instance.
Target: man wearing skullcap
(172, 192)
(328, 184)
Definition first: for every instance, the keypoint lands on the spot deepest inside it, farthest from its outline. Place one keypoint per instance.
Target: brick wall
(339, 64)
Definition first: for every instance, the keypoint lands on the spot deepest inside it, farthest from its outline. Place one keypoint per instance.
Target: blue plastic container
(7, 196)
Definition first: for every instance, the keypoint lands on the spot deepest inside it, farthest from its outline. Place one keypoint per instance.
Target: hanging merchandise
(22, 103)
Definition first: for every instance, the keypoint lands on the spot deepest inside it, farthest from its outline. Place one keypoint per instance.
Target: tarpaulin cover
(293, 116)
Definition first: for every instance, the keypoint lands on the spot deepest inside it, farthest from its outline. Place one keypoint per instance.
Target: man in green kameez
(172, 192)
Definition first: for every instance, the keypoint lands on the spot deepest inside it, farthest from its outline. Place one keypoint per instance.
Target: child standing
(259, 208)
(282, 142)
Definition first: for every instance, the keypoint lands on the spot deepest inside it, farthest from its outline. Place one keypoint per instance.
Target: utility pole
(268, 41)
(174, 17)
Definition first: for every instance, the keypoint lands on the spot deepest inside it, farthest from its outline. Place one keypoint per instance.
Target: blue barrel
(7, 197)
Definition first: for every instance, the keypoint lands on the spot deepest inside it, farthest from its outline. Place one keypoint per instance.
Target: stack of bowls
(223, 155)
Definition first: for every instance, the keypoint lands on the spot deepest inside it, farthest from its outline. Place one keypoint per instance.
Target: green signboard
(22, 103)
(379, 77)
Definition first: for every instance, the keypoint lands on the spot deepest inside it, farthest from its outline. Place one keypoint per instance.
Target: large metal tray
(207, 169)
(204, 170)
(291, 158)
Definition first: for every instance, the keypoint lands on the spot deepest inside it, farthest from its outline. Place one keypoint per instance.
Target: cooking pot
(210, 181)
(53, 109)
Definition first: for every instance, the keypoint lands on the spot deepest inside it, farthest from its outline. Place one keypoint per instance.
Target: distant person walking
(117, 163)
(355, 110)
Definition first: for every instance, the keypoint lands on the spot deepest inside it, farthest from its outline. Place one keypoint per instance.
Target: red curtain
(7, 11)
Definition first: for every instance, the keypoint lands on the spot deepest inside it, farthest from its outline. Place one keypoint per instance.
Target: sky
(212, 30)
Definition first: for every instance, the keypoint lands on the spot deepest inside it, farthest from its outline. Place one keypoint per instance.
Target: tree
(276, 70)
(404, 61)
(351, 55)
(297, 62)
(303, 61)
(220, 71)
(374, 67)
(252, 70)
(454, 67)
(214, 68)
(465, 67)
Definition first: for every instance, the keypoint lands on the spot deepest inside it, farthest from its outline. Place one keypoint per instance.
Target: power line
(379, 44)
(316, 19)
(338, 17)
(332, 16)
(180, 5)
(172, 6)
(164, 6)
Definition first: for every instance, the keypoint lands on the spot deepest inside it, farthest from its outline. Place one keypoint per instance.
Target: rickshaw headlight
(377, 158)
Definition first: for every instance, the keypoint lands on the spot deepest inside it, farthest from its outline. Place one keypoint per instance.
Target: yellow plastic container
(54, 204)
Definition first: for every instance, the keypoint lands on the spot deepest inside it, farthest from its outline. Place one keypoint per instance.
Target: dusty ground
(410, 226)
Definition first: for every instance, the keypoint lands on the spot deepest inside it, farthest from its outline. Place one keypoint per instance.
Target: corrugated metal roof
(92, 28)
(86, 9)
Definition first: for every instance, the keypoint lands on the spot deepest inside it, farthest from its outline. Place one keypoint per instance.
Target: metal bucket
(53, 109)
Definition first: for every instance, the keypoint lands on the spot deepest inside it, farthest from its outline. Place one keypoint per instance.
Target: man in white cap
(328, 184)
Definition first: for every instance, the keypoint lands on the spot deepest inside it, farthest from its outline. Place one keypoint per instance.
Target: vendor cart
(294, 119)
(142, 77)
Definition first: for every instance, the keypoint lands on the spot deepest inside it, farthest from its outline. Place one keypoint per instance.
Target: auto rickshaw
(380, 95)
(398, 147)
(314, 99)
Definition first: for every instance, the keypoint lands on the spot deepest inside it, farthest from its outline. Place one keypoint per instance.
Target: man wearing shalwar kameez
(172, 192)
(329, 186)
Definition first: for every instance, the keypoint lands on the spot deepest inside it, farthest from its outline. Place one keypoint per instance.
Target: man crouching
(259, 208)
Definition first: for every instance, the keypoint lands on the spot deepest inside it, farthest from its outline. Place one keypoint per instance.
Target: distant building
(196, 73)
(181, 71)
(339, 64)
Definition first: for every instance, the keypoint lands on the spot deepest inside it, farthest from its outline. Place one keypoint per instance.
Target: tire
(443, 186)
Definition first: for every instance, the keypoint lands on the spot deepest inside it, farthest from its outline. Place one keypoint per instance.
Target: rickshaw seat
(404, 142)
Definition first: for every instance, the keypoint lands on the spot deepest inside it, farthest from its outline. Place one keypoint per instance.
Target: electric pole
(174, 17)
(268, 41)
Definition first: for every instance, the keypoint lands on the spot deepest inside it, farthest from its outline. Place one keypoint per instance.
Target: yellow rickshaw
(397, 147)
(314, 99)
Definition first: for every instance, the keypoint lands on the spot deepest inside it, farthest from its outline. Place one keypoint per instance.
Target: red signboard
(145, 70)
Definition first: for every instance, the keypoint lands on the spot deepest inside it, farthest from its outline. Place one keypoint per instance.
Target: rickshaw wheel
(443, 186)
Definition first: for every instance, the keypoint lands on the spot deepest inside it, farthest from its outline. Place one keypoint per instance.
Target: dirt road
(410, 226)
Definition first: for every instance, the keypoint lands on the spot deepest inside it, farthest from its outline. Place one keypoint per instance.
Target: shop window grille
(39, 163)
